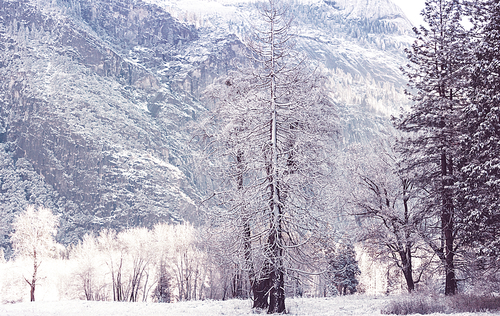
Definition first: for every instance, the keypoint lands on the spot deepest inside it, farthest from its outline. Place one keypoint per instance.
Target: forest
(291, 211)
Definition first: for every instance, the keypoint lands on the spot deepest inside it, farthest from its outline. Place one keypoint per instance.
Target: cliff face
(96, 97)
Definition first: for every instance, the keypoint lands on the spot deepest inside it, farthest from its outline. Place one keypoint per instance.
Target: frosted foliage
(128, 266)
(34, 232)
(169, 263)
(90, 274)
(33, 238)
(185, 262)
(392, 223)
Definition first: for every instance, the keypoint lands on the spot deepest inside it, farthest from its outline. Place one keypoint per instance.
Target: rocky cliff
(95, 97)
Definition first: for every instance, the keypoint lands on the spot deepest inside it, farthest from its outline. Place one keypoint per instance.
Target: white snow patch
(356, 305)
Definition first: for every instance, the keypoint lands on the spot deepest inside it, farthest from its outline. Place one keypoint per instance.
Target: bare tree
(33, 236)
(268, 139)
(387, 206)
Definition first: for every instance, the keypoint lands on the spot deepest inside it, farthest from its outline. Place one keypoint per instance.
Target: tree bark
(277, 282)
(447, 225)
(33, 278)
(260, 290)
(406, 257)
(237, 285)
(275, 241)
(258, 287)
(407, 268)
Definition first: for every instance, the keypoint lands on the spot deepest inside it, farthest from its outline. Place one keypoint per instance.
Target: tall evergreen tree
(435, 73)
(480, 184)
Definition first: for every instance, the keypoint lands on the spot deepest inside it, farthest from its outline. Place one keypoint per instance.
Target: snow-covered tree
(33, 237)
(270, 132)
(480, 142)
(138, 247)
(387, 207)
(180, 254)
(128, 256)
(89, 273)
(435, 74)
(342, 269)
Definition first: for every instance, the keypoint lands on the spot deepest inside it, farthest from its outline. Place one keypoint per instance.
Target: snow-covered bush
(90, 274)
(180, 254)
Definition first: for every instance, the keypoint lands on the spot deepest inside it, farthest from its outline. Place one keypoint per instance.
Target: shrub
(428, 304)
(413, 304)
(474, 303)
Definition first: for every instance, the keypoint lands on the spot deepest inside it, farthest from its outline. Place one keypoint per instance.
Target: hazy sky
(412, 9)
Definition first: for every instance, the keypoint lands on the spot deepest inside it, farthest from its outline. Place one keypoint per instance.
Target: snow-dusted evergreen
(342, 270)
(437, 60)
(480, 141)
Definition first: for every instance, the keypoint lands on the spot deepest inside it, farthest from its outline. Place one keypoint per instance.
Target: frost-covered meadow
(354, 305)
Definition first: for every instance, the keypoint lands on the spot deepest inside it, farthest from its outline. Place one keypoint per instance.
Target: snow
(370, 9)
(348, 305)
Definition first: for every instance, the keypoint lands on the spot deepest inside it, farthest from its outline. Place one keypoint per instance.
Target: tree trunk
(260, 289)
(277, 293)
(237, 287)
(261, 286)
(33, 279)
(277, 282)
(406, 258)
(407, 268)
(451, 282)
(447, 222)
(32, 292)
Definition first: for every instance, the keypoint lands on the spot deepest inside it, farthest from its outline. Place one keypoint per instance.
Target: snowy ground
(357, 305)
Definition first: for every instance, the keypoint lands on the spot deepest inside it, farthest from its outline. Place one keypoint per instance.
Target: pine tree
(480, 143)
(163, 289)
(343, 269)
(435, 73)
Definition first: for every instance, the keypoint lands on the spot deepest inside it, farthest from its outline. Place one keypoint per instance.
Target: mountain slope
(95, 97)
(88, 126)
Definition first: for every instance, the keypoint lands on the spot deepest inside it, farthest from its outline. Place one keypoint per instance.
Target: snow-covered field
(356, 305)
